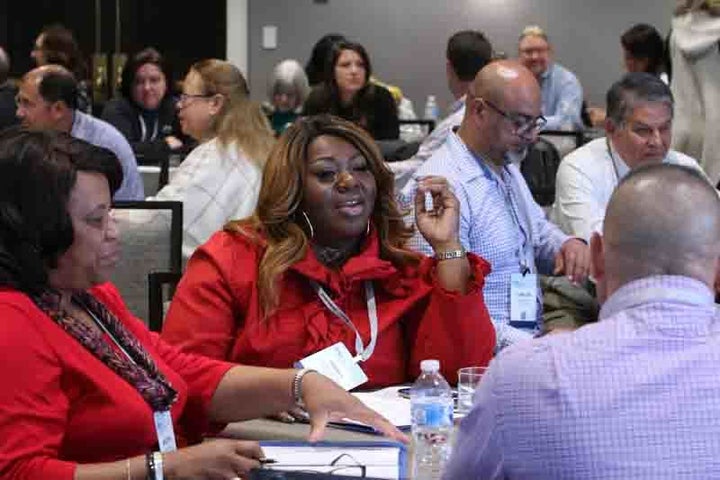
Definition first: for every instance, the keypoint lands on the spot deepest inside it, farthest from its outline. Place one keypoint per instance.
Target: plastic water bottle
(432, 112)
(432, 421)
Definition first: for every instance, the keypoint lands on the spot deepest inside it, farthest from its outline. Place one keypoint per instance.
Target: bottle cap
(430, 366)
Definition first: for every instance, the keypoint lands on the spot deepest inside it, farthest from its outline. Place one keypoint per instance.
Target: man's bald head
(662, 220)
(54, 83)
(501, 78)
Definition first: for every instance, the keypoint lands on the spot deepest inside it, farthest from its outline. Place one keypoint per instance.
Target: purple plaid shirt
(636, 395)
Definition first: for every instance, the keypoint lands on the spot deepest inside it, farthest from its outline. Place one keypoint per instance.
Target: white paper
(388, 403)
(380, 461)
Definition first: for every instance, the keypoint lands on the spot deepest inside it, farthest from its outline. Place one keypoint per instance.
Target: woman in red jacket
(323, 261)
(88, 392)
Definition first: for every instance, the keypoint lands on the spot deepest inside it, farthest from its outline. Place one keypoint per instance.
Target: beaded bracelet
(297, 386)
(150, 464)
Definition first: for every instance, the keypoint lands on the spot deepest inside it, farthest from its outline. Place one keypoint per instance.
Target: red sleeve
(455, 328)
(207, 308)
(33, 405)
(202, 375)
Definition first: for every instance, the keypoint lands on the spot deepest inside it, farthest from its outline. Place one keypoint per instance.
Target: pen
(267, 461)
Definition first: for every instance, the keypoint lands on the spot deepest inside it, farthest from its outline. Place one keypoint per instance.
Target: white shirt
(585, 180)
(216, 184)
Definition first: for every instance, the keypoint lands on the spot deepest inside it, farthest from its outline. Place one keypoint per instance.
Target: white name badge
(336, 363)
(164, 430)
(523, 299)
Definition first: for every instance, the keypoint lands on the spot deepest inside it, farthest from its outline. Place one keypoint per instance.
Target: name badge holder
(161, 418)
(335, 361)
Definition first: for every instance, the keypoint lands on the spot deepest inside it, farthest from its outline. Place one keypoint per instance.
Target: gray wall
(406, 38)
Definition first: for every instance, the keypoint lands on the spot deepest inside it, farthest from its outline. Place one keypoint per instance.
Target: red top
(59, 405)
(216, 312)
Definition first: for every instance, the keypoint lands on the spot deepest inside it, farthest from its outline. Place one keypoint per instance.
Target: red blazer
(216, 312)
(59, 405)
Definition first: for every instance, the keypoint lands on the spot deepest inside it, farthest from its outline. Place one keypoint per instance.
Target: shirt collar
(620, 164)
(673, 289)
(366, 265)
(457, 104)
(544, 76)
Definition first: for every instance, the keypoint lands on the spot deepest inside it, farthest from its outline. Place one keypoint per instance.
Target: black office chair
(539, 168)
(161, 288)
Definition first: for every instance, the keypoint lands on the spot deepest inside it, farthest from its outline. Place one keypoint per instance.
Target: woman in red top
(83, 380)
(327, 217)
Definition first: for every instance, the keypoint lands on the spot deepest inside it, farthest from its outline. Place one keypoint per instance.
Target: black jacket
(125, 116)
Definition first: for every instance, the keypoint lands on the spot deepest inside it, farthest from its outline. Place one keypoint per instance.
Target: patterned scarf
(141, 372)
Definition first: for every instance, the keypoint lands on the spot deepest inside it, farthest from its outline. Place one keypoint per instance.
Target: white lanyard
(362, 353)
(509, 199)
(143, 129)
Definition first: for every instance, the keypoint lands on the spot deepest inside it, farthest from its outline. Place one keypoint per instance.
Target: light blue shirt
(489, 228)
(102, 134)
(562, 98)
(438, 136)
(636, 395)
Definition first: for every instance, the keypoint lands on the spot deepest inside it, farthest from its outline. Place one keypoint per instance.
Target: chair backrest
(151, 240)
(161, 287)
(539, 168)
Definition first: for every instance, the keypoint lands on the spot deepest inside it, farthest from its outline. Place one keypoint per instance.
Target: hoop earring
(367, 232)
(312, 230)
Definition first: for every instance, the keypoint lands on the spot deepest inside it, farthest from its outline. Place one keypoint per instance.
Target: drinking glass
(468, 380)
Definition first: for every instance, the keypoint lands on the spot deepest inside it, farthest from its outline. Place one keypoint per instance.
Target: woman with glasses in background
(219, 180)
(287, 90)
(145, 110)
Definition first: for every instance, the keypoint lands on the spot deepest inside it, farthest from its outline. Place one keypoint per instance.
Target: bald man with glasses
(499, 219)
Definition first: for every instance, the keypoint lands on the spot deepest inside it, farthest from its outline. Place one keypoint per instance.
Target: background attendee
(696, 82)
(48, 100)
(315, 67)
(500, 221)
(611, 399)
(467, 52)
(562, 95)
(287, 90)
(644, 50)
(8, 91)
(145, 110)
(57, 45)
(638, 126)
(219, 180)
(347, 92)
(87, 377)
(327, 221)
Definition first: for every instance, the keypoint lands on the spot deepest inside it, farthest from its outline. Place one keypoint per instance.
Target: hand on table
(326, 401)
(214, 459)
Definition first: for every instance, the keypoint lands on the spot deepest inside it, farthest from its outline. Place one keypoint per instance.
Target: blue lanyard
(506, 188)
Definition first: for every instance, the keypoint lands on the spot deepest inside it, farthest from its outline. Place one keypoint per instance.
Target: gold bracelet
(451, 254)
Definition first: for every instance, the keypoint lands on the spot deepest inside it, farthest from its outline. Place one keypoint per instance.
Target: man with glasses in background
(499, 220)
(562, 95)
(638, 125)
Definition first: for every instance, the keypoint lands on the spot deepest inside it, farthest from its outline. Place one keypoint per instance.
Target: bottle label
(433, 415)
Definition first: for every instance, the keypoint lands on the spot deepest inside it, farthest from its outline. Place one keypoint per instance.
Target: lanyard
(516, 220)
(612, 160)
(507, 196)
(362, 353)
(108, 333)
(143, 129)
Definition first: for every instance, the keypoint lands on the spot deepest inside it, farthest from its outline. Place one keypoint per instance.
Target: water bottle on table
(432, 421)
(432, 111)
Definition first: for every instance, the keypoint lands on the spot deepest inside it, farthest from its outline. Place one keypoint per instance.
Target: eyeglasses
(184, 97)
(522, 124)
